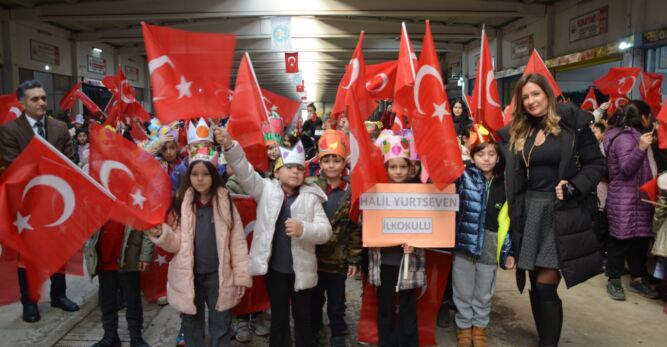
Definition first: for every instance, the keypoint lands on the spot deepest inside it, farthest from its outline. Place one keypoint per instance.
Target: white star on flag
(22, 223)
(161, 259)
(184, 88)
(440, 110)
(138, 199)
(621, 81)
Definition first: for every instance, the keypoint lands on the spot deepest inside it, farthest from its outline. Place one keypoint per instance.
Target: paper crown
(293, 156)
(273, 131)
(203, 152)
(395, 146)
(407, 133)
(199, 133)
(78, 119)
(479, 134)
(333, 142)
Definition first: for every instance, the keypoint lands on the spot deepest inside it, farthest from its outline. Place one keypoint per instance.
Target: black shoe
(443, 316)
(65, 304)
(643, 288)
(31, 313)
(615, 290)
(550, 320)
(108, 341)
(138, 342)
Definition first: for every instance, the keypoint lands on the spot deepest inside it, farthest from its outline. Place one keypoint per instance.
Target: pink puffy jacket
(232, 253)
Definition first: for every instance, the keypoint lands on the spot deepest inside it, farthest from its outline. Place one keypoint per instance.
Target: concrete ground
(591, 319)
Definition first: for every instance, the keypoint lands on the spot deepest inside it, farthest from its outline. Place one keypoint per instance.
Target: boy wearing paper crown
(482, 238)
(290, 223)
(339, 258)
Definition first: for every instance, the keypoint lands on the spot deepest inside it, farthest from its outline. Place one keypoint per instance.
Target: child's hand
(294, 227)
(222, 137)
(240, 291)
(352, 270)
(143, 266)
(155, 232)
(408, 249)
(510, 262)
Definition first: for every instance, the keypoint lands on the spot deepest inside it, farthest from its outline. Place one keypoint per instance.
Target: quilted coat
(628, 169)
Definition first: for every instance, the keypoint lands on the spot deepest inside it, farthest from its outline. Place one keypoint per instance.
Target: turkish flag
(9, 290)
(189, 72)
(10, 108)
(651, 90)
(154, 279)
(616, 102)
(433, 126)
(380, 79)
(256, 298)
(123, 103)
(650, 188)
(284, 106)
(300, 88)
(75, 93)
(405, 76)
(48, 209)
(617, 81)
(590, 101)
(485, 95)
(353, 85)
(470, 105)
(662, 127)
(133, 176)
(248, 112)
(428, 304)
(292, 62)
(536, 66)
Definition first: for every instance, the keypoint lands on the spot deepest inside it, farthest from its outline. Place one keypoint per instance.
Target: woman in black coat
(553, 163)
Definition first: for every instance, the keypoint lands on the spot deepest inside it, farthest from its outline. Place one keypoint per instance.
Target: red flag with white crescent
(380, 80)
(287, 108)
(590, 101)
(617, 81)
(405, 76)
(616, 102)
(291, 62)
(651, 90)
(48, 209)
(485, 96)
(10, 108)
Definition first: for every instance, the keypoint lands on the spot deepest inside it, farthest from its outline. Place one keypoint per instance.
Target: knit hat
(395, 146)
(333, 142)
(294, 156)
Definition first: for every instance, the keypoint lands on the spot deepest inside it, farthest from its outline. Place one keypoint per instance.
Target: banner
(281, 36)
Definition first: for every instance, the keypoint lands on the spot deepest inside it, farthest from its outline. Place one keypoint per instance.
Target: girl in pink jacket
(210, 263)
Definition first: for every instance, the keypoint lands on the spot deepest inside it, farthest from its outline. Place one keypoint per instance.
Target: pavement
(591, 319)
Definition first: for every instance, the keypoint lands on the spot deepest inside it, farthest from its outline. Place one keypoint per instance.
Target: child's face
(332, 166)
(598, 134)
(291, 175)
(272, 151)
(486, 159)
(398, 170)
(82, 138)
(200, 178)
(169, 152)
(414, 168)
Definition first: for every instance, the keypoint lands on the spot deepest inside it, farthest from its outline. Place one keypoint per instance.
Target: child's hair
(79, 131)
(481, 146)
(600, 126)
(217, 182)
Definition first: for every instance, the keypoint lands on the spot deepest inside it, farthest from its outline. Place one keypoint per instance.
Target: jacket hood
(613, 133)
(312, 188)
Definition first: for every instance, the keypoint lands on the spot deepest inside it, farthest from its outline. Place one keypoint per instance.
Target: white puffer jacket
(307, 208)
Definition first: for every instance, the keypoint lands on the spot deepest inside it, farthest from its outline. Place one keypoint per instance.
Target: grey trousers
(473, 285)
(219, 323)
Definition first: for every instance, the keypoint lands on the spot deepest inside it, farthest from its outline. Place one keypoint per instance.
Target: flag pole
(252, 69)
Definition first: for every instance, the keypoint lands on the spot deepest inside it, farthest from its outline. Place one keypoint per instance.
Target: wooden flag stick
(654, 203)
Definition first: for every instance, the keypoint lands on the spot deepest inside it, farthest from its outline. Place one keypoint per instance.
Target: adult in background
(311, 131)
(462, 120)
(631, 164)
(14, 137)
(553, 163)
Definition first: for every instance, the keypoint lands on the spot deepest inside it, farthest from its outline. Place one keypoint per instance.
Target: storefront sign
(44, 52)
(97, 65)
(522, 47)
(419, 215)
(655, 36)
(132, 73)
(588, 25)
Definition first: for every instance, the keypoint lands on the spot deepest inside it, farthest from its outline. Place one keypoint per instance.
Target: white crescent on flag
(355, 72)
(62, 187)
(423, 72)
(354, 151)
(15, 110)
(385, 80)
(620, 88)
(490, 78)
(107, 167)
(291, 60)
(124, 97)
(593, 102)
(159, 61)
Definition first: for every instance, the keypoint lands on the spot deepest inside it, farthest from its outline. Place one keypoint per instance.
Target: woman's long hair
(519, 125)
(464, 107)
(632, 113)
(217, 182)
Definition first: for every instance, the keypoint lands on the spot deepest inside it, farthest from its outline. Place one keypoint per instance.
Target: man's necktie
(40, 128)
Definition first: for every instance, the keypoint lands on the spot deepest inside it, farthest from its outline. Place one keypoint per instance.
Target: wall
(26, 31)
(519, 30)
(85, 49)
(654, 15)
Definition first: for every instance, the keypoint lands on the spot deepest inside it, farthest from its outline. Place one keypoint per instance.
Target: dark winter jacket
(462, 122)
(473, 217)
(628, 169)
(582, 164)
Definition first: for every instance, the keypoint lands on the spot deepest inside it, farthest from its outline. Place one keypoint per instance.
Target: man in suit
(14, 137)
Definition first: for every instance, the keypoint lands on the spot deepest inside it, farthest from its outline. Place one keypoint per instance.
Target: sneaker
(242, 332)
(180, 339)
(643, 288)
(260, 326)
(615, 290)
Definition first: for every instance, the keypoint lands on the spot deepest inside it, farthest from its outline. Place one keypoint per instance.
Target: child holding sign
(385, 264)
(482, 239)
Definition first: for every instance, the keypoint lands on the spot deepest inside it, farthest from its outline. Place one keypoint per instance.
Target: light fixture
(47, 68)
(97, 50)
(624, 45)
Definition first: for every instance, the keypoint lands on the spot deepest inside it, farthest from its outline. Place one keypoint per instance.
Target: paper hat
(203, 152)
(294, 156)
(384, 134)
(78, 119)
(479, 134)
(273, 131)
(376, 124)
(199, 133)
(333, 142)
(407, 133)
(395, 146)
